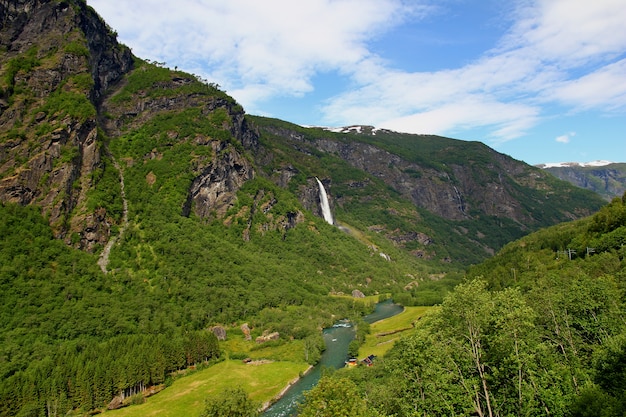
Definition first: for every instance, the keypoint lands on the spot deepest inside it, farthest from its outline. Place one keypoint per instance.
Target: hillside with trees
(539, 329)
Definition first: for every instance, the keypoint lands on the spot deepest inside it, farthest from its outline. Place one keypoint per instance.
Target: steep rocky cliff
(481, 195)
(61, 66)
(58, 60)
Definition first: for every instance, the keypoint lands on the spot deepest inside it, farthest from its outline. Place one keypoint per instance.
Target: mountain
(438, 197)
(97, 106)
(141, 206)
(606, 178)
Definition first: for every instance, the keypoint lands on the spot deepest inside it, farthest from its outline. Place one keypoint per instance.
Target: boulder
(246, 331)
(357, 294)
(219, 332)
(266, 337)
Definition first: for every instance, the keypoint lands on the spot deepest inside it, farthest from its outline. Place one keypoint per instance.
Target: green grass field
(385, 332)
(185, 397)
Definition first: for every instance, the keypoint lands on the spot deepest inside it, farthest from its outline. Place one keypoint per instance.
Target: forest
(74, 338)
(532, 331)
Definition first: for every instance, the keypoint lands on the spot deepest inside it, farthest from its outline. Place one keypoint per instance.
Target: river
(337, 339)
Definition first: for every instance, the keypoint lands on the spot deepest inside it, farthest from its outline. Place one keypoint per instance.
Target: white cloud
(271, 47)
(509, 120)
(604, 88)
(570, 32)
(564, 52)
(535, 65)
(566, 138)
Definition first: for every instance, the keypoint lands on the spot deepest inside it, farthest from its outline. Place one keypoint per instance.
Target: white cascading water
(328, 216)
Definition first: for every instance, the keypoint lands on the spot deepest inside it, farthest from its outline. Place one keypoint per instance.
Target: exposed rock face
(309, 196)
(55, 149)
(53, 156)
(96, 230)
(218, 177)
(213, 192)
(488, 185)
(463, 192)
(434, 190)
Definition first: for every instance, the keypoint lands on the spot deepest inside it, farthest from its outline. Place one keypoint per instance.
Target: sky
(540, 80)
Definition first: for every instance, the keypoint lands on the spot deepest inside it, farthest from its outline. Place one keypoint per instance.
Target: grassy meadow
(185, 397)
(385, 332)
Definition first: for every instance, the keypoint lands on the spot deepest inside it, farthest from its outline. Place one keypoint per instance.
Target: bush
(232, 402)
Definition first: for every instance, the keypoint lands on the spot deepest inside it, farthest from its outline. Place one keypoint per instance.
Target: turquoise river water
(337, 339)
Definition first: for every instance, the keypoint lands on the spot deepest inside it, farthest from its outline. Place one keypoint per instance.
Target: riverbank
(282, 393)
(337, 339)
(384, 333)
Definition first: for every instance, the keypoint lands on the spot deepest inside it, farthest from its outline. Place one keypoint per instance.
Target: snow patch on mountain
(574, 164)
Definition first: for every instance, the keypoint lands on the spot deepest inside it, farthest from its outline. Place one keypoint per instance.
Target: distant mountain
(606, 178)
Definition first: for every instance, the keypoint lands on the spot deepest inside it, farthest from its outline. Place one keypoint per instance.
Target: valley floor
(185, 397)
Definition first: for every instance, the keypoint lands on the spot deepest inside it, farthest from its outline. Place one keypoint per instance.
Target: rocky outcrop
(214, 191)
(309, 196)
(245, 329)
(53, 154)
(44, 24)
(219, 332)
(55, 148)
(55, 174)
(267, 337)
(357, 294)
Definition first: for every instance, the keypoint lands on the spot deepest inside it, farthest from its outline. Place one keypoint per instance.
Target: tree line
(87, 375)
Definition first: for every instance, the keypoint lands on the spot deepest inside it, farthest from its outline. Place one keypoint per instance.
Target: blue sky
(540, 80)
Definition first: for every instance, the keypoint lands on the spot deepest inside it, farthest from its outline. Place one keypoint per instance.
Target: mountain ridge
(597, 163)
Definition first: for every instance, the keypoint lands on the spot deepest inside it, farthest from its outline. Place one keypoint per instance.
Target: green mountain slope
(436, 197)
(141, 207)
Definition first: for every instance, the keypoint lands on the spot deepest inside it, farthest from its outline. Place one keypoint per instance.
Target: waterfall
(328, 216)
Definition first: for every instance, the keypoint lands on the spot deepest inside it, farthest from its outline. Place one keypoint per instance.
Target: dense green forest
(74, 338)
(539, 329)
